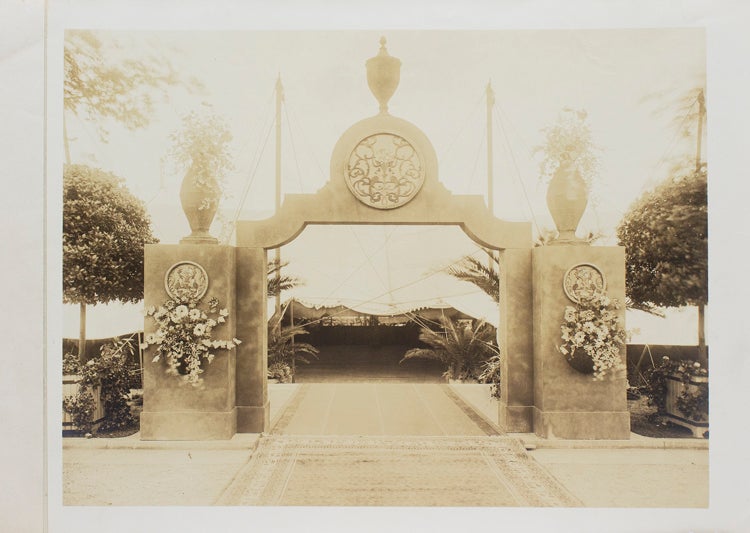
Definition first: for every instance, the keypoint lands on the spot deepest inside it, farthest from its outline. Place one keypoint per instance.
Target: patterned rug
(394, 471)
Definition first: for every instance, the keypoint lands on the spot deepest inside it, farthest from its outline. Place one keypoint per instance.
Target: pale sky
(626, 80)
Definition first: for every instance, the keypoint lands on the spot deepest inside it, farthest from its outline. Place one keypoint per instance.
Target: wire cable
(518, 172)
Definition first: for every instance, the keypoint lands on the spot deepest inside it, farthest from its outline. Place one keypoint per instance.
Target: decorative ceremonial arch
(384, 171)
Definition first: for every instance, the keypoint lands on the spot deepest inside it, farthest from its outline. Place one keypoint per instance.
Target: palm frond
(284, 282)
(422, 353)
(480, 274)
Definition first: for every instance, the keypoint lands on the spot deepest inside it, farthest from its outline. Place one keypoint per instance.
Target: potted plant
(184, 337)
(679, 390)
(593, 336)
(201, 148)
(462, 348)
(569, 164)
(284, 351)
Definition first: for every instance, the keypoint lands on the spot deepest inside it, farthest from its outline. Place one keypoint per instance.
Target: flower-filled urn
(383, 75)
(567, 198)
(199, 203)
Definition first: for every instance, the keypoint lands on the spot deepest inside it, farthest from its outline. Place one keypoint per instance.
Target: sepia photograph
(344, 276)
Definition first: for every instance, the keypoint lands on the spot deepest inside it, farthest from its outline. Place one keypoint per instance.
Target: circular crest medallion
(186, 281)
(384, 171)
(584, 282)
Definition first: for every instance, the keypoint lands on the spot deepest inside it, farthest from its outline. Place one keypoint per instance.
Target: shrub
(281, 371)
(81, 409)
(491, 374)
(693, 404)
(70, 364)
(110, 371)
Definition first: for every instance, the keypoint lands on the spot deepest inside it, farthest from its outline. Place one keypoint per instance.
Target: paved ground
(639, 473)
(378, 409)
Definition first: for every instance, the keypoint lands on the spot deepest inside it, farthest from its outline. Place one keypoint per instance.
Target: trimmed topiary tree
(665, 235)
(105, 229)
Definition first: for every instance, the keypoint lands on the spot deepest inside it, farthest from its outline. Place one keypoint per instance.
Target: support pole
(490, 188)
(490, 167)
(702, 351)
(279, 100)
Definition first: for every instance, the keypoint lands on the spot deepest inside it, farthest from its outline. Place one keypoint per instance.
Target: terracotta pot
(199, 205)
(580, 361)
(567, 197)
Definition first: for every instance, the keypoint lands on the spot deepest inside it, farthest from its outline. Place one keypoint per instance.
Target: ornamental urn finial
(383, 75)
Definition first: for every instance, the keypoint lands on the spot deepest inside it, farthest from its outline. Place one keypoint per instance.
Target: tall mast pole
(699, 141)
(490, 191)
(490, 166)
(279, 100)
(702, 352)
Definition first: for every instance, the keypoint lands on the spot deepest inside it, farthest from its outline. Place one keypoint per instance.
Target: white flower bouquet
(592, 332)
(183, 337)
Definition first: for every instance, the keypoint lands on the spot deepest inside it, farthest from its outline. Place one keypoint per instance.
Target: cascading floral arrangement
(592, 330)
(183, 337)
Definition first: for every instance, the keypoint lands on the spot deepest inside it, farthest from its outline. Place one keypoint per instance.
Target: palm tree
(284, 351)
(276, 286)
(482, 275)
(461, 348)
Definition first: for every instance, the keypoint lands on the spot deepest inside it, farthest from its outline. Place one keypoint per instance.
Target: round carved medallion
(583, 282)
(186, 281)
(384, 171)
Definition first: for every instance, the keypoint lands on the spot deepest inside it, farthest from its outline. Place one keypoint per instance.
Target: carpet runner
(290, 470)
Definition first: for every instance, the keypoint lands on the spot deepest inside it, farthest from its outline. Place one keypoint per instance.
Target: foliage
(284, 349)
(202, 145)
(280, 371)
(569, 139)
(81, 409)
(461, 348)
(283, 283)
(100, 84)
(665, 235)
(183, 336)
(547, 236)
(480, 274)
(491, 374)
(109, 371)
(70, 364)
(105, 229)
(693, 404)
(593, 326)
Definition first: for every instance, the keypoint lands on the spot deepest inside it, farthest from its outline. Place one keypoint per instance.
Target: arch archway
(384, 171)
(432, 204)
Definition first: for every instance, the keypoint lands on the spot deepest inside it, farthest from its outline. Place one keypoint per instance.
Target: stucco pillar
(567, 403)
(173, 409)
(253, 408)
(516, 341)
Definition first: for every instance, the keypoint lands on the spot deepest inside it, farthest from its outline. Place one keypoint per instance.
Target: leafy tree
(101, 83)
(104, 230)
(665, 235)
(461, 348)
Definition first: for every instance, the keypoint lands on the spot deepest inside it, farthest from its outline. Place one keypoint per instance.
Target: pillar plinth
(172, 408)
(567, 403)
